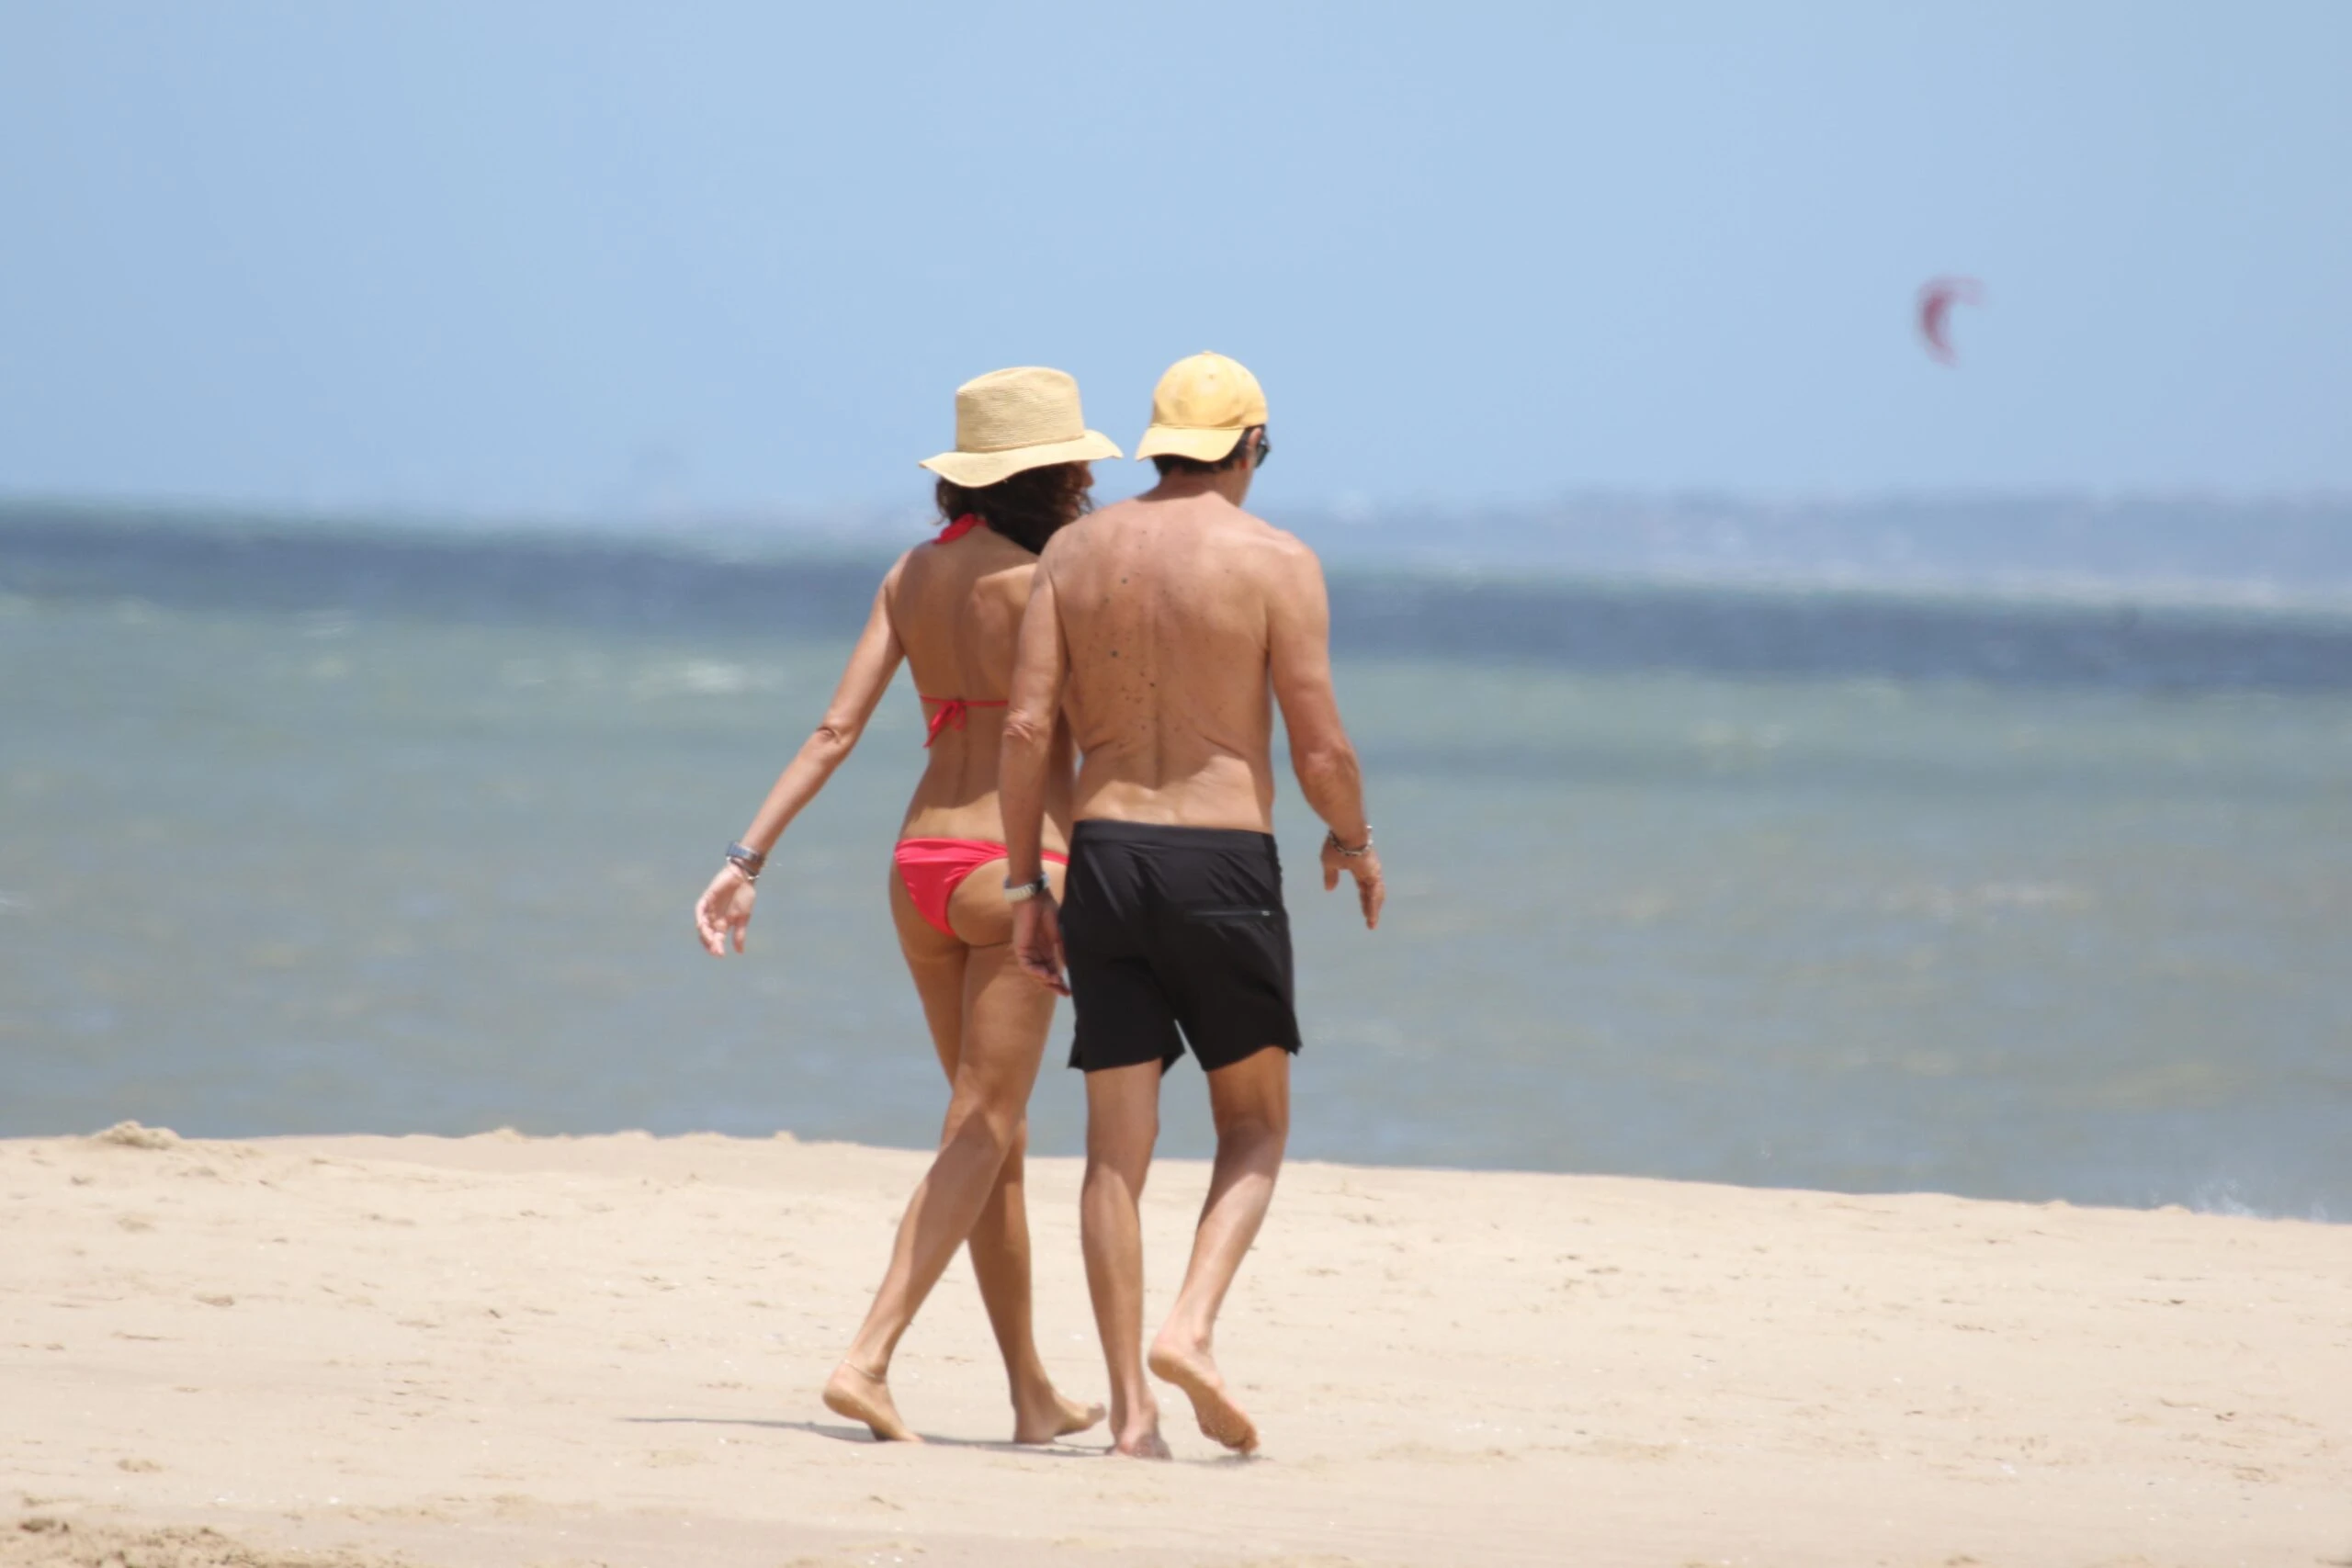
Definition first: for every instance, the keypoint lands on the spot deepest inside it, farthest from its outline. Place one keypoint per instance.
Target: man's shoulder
(1279, 547)
(1074, 537)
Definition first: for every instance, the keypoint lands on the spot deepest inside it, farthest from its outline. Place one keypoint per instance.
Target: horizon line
(1344, 507)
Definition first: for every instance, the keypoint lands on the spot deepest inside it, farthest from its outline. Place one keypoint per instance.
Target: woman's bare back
(955, 607)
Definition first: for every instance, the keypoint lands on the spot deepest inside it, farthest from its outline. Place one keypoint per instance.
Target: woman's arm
(725, 909)
(872, 664)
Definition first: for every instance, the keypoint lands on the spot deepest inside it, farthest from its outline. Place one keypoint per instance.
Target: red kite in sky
(1936, 297)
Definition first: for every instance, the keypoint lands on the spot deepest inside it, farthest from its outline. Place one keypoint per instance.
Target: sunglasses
(1265, 448)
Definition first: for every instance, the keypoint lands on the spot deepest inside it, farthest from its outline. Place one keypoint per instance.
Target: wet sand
(506, 1350)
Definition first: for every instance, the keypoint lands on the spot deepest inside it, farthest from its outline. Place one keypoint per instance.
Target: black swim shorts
(1176, 928)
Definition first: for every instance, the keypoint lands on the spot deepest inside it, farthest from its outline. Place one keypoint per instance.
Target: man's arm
(1040, 667)
(1298, 659)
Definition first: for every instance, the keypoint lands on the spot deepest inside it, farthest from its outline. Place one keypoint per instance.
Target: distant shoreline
(2161, 637)
(2285, 556)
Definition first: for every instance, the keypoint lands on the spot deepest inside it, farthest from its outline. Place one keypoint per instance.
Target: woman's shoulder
(984, 562)
(931, 580)
(1009, 573)
(892, 579)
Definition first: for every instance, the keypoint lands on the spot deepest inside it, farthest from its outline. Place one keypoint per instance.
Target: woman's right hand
(724, 910)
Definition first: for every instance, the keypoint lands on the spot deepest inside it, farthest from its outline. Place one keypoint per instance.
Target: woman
(952, 608)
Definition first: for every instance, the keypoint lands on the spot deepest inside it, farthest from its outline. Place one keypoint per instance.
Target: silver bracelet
(747, 859)
(1331, 841)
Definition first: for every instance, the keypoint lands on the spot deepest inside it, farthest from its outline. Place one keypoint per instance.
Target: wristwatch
(1021, 892)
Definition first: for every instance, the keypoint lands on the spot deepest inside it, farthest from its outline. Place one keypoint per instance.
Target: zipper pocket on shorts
(1250, 912)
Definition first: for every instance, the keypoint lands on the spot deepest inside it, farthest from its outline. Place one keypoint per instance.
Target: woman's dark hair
(1029, 508)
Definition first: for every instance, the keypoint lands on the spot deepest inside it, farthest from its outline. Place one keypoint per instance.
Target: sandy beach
(606, 1351)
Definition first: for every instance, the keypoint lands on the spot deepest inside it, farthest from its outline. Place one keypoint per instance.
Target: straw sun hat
(1009, 420)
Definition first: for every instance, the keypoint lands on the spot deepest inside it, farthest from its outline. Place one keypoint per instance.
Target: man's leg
(1121, 1124)
(1250, 1103)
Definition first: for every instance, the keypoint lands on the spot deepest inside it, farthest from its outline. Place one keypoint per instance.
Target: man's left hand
(1037, 942)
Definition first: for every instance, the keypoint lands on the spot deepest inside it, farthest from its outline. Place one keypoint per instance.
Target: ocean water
(303, 832)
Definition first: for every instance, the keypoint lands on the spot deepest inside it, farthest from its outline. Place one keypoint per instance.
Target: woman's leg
(858, 1387)
(989, 1024)
(1003, 1014)
(1001, 1003)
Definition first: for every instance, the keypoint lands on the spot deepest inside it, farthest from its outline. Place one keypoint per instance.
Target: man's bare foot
(1193, 1371)
(1052, 1416)
(860, 1395)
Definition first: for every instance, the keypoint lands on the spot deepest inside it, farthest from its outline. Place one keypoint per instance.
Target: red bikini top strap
(952, 711)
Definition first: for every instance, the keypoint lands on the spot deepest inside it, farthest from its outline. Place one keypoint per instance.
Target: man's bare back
(1159, 628)
(1172, 610)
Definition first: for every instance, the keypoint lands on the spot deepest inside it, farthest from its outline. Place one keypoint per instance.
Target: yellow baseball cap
(1200, 409)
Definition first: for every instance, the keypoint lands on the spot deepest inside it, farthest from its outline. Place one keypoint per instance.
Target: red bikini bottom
(934, 868)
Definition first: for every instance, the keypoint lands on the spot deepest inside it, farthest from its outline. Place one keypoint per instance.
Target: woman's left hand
(724, 910)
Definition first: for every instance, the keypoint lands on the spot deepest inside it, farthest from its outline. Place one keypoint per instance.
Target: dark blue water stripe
(629, 585)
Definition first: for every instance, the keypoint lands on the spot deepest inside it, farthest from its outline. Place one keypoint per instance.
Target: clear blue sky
(558, 258)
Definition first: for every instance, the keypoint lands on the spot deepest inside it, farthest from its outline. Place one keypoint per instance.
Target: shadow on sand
(845, 1432)
(849, 1432)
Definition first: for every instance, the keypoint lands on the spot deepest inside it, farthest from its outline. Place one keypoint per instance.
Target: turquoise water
(266, 869)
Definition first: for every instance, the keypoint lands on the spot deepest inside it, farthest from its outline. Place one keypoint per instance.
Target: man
(1158, 625)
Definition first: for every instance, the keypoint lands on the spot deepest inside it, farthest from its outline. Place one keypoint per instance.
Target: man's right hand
(1371, 891)
(1037, 942)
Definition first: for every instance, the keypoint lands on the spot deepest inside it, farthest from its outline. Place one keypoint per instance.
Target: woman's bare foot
(860, 1395)
(1051, 1415)
(1142, 1441)
(1192, 1370)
